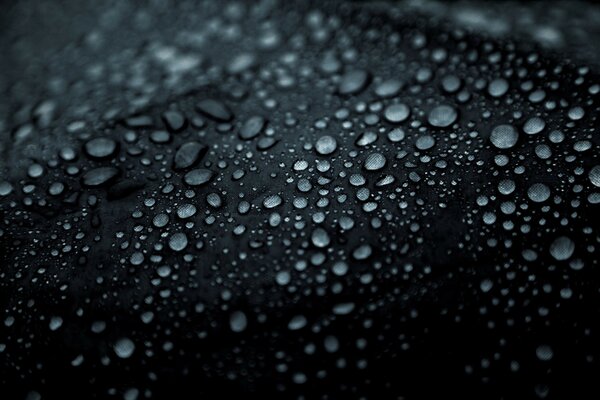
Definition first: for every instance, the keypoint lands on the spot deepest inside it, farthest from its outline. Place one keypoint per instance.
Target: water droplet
(397, 113)
(396, 135)
(238, 321)
(340, 268)
(186, 211)
(283, 278)
(504, 136)
(5, 188)
(178, 241)
(197, 177)
(389, 88)
(188, 155)
(486, 285)
(354, 82)
(375, 162)
(215, 109)
(56, 188)
(506, 186)
(100, 176)
(451, 83)
(296, 323)
(174, 120)
(538, 192)
(544, 353)
(124, 348)
(576, 113)
(366, 138)
(100, 148)
(214, 200)
(272, 201)
(362, 252)
(562, 248)
(326, 145)
(160, 137)
(343, 308)
(139, 121)
(593, 175)
(241, 62)
(534, 126)
(498, 87)
(320, 238)
(442, 116)
(425, 142)
(55, 323)
(265, 143)
(252, 127)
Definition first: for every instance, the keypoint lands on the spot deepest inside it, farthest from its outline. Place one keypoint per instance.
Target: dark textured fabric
(299, 200)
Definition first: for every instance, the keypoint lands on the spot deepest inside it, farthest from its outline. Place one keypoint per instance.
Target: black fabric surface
(299, 200)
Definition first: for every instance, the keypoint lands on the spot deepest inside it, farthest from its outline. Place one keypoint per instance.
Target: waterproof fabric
(299, 200)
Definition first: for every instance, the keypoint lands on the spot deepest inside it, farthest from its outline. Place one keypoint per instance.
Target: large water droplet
(326, 145)
(99, 176)
(124, 348)
(188, 155)
(215, 109)
(100, 148)
(252, 127)
(353, 82)
(238, 321)
(442, 116)
(197, 177)
(504, 136)
(594, 175)
(562, 248)
(396, 113)
(374, 162)
(538, 192)
(178, 241)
